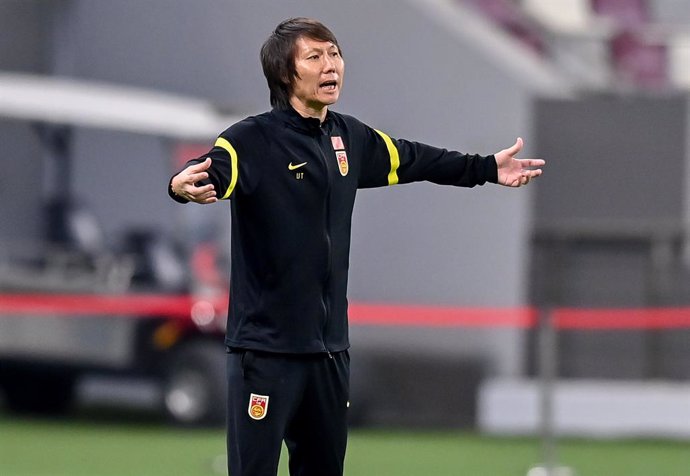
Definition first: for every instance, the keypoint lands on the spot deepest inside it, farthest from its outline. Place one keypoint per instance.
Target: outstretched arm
(514, 172)
(184, 184)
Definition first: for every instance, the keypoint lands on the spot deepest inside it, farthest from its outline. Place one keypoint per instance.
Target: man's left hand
(514, 172)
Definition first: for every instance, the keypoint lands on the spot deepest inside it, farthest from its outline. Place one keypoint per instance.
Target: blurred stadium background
(492, 329)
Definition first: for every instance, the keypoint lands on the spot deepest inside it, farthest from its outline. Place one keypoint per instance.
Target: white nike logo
(296, 166)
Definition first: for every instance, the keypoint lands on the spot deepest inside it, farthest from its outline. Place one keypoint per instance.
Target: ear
(287, 80)
(284, 71)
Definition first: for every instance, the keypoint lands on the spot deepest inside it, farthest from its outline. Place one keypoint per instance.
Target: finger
(532, 162)
(191, 192)
(209, 194)
(200, 167)
(197, 177)
(207, 199)
(532, 173)
(515, 148)
(201, 191)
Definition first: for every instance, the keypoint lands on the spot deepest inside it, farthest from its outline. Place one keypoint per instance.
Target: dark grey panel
(612, 157)
(610, 227)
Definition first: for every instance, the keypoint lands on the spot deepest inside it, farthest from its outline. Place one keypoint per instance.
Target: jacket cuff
(491, 169)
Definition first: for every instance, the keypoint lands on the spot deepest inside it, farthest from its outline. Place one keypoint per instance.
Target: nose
(329, 64)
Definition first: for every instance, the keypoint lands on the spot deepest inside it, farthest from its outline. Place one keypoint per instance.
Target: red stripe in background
(430, 316)
(88, 305)
(659, 318)
(179, 307)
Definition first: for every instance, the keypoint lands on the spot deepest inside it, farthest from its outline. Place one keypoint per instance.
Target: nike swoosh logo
(296, 166)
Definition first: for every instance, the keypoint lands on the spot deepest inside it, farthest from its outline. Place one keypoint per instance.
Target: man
(291, 175)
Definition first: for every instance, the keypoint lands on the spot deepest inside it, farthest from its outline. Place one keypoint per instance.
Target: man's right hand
(183, 184)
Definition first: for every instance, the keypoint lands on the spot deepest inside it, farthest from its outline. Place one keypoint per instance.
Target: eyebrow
(313, 49)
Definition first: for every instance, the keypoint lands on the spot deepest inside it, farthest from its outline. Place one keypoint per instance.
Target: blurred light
(203, 313)
(166, 335)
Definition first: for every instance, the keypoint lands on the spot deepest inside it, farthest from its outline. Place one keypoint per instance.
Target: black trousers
(299, 398)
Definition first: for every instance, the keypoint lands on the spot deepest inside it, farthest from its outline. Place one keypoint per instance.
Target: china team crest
(340, 155)
(258, 406)
(343, 166)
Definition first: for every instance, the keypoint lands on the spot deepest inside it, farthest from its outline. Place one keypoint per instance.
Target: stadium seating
(638, 55)
(606, 44)
(510, 17)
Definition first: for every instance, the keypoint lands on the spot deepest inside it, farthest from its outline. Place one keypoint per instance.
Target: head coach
(291, 175)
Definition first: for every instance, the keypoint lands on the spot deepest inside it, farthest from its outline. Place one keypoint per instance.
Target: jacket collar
(308, 125)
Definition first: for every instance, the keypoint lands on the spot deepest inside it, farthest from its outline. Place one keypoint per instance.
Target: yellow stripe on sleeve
(220, 142)
(395, 158)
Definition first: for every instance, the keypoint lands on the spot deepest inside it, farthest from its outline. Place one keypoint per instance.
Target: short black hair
(278, 55)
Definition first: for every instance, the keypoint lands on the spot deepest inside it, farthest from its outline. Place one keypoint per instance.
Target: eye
(313, 57)
(335, 54)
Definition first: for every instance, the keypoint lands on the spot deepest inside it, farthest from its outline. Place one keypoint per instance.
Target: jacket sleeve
(389, 161)
(224, 172)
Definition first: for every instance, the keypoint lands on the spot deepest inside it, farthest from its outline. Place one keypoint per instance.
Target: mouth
(329, 86)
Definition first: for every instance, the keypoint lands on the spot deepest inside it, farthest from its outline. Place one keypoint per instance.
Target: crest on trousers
(258, 406)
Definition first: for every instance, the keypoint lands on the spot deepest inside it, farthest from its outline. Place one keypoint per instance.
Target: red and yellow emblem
(343, 166)
(258, 406)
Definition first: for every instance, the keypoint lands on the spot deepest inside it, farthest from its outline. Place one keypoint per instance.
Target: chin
(330, 100)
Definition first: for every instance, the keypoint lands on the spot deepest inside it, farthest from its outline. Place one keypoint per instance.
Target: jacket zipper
(325, 298)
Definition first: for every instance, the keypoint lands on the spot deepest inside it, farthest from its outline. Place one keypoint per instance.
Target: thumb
(201, 166)
(515, 148)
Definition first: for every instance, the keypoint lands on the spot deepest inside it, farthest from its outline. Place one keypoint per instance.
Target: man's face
(319, 77)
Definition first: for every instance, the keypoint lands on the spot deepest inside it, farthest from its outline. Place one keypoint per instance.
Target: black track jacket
(292, 183)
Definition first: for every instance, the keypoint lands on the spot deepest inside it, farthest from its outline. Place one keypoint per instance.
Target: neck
(305, 110)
